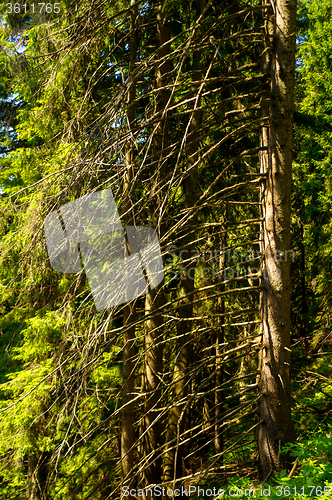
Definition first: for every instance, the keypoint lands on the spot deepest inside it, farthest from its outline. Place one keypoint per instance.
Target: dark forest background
(221, 375)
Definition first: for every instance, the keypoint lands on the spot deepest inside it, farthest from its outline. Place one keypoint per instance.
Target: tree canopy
(219, 376)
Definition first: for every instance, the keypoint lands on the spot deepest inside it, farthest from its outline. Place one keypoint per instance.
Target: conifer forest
(165, 249)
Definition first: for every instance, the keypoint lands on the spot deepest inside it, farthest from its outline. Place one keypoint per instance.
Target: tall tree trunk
(304, 308)
(275, 402)
(37, 476)
(179, 415)
(128, 385)
(220, 338)
(155, 299)
(153, 386)
(129, 313)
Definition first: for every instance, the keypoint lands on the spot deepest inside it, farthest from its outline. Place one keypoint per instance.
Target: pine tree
(162, 103)
(275, 403)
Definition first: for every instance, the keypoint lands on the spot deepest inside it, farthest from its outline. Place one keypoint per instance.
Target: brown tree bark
(153, 386)
(128, 385)
(179, 414)
(220, 337)
(129, 313)
(275, 402)
(37, 476)
(155, 298)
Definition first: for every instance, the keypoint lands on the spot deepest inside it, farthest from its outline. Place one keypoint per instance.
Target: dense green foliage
(65, 85)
